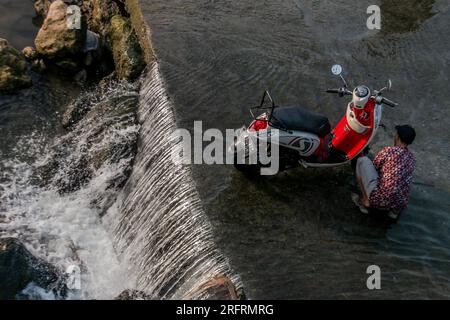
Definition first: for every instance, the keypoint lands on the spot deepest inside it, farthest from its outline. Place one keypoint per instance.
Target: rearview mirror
(336, 69)
(389, 85)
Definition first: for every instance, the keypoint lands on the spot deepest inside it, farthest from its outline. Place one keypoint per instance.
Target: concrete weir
(161, 228)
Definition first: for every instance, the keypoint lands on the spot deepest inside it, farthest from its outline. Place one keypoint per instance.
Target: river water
(295, 235)
(19, 24)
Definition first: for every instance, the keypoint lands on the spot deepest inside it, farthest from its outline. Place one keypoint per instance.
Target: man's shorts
(368, 174)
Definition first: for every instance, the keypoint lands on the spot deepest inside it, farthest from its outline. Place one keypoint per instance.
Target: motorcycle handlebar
(341, 92)
(390, 103)
(345, 91)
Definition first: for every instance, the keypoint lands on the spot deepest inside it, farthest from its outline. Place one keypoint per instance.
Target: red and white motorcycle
(306, 138)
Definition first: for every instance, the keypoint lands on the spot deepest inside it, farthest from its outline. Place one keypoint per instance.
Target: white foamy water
(65, 229)
(152, 236)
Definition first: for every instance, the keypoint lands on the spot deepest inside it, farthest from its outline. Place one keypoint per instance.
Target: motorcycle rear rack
(268, 119)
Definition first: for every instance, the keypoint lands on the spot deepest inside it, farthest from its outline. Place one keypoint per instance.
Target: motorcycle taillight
(258, 125)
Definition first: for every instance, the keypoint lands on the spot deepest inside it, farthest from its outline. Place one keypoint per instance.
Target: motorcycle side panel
(304, 142)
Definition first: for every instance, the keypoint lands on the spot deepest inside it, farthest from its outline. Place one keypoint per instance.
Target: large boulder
(19, 268)
(55, 40)
(98, 12)
(127, 53)
(42, 6)
(14, 73)
(29, 53)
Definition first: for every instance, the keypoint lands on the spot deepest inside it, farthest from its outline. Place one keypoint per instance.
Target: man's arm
(381, 158)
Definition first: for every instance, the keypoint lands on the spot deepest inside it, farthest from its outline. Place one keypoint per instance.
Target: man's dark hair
(406, 133)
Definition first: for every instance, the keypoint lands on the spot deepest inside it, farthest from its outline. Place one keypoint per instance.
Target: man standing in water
(385, 182)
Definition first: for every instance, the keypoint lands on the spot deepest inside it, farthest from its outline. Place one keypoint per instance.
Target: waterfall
(67, 199)
(160, 227)
(54, 190)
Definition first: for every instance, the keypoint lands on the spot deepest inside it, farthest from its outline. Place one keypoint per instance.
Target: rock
(127, 53)
(18, 268)
(77, 174)
(55, 40)
(118, 112)
(68, 66)
(81, 77)
(41, 7)
(14, 73)
(38, 65)
(29, 53)
(106, 80)
(101, 13)
(76, 111)
(132, 295)
(219, 288)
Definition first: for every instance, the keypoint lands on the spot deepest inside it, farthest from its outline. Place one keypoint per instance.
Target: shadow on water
(402, 16)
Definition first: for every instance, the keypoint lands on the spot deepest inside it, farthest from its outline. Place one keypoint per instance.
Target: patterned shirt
(395, 166)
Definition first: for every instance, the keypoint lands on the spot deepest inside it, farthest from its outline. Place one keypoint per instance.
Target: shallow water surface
(18, 22)
(298, 235)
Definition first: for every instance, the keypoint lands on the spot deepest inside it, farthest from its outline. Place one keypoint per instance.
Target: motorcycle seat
(297, 118)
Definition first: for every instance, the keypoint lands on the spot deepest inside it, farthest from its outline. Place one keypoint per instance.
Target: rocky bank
(86, 40)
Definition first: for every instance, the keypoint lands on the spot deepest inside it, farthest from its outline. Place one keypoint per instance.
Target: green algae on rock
(14, 73)
(127, 53)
